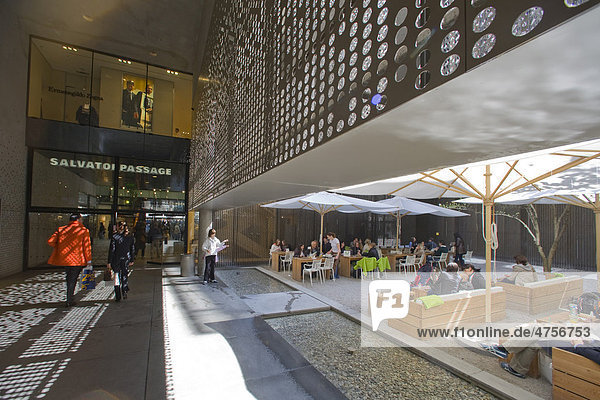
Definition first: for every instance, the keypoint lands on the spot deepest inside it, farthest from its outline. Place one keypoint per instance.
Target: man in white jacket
(211, 247)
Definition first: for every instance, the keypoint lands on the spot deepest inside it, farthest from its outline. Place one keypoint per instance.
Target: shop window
(60, 83)
(43, 225)
(70, 180)
(151, 185)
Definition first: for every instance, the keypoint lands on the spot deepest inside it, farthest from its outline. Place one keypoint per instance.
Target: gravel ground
(368, 372)
(245, 281)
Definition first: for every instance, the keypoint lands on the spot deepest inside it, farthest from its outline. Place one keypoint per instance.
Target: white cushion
(551, 281)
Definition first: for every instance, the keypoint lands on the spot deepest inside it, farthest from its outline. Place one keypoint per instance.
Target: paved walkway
(172, 338)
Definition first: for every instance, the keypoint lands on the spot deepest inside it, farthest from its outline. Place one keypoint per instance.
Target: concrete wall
(13, 153)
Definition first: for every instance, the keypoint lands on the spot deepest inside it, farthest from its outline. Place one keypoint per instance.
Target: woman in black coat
(121, 254)
(459, 249)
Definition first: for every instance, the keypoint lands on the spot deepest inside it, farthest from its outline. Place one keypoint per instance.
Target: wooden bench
(545, 295)
(459, 309)
(574, 376)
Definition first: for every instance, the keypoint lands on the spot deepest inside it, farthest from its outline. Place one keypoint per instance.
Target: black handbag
(107, 275)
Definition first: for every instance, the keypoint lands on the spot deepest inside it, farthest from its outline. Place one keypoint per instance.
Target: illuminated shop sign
(97, 165)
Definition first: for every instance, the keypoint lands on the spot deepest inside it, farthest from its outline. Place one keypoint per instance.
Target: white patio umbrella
(489, 180)
(324, 202)
(401, 206)
(589, 198)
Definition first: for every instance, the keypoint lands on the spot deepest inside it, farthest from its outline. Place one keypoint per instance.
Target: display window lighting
(124, 61)
(69, 48)
(172, 72)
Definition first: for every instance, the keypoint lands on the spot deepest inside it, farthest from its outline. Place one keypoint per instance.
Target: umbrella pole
(397, 228)
(488, 201)
(321, 237)
(597, 218)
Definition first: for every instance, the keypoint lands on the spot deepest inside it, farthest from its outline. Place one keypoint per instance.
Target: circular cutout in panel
(366, 63)
(366, 110)
(353, 15)
(483, 46)
(382, 85)
(527, 21)
(381, 3)
(423, 17)
(401, 16)
(574, 3)
(423, 38)
(366, 80)
(366, 95)
(341, 69)
(450, 18)
(422, 80)
(382, 50)
(353, 29)
(353, 73)
(330, 131)
(450, 65)
(382, 67)
(367, 47)
(352, 119)
(367, 31)
(341, 83)
(450, 41)
(420, 3)
(382, 103)
(423, 59)
(401, 35)
(353, 87)
(401, 73)
(342, 28)
(484, 19)
(401, 55)
(353, 59)
(352, 104)
(367, 15)
(445, 3)
(353, 44)
(383, 31)
(340, 125)
(382, 16)
(478, 3)
(342, 55)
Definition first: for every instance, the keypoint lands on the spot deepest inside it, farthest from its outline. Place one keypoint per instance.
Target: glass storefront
(70, 84)
(150, 197)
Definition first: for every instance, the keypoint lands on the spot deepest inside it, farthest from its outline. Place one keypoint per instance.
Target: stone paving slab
(277, 304)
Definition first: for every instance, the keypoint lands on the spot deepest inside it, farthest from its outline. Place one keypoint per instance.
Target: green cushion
(431, 301)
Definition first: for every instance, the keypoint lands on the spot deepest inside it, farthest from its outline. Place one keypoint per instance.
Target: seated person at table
(430, 245)
(367, 246)
(441, 248)
(373, 251)
(420, 249)
(313, 250)
(326, 245)
(275, 247)
(473, 276)
(299, 251)
(284, 246)
(523, 272)
(413, 244)
(356, 247)
(446, 282)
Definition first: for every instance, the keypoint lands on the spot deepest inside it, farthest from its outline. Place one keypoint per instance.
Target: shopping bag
(88, 279)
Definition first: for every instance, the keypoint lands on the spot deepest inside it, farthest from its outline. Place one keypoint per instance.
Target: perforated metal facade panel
(281, 77)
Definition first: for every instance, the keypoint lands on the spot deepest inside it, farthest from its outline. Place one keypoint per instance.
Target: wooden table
(297, 266)
(559, 317)
(275, 260)
(346, 265)
(393, 258)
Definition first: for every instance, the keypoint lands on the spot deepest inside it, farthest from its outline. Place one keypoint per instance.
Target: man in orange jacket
(72, 250)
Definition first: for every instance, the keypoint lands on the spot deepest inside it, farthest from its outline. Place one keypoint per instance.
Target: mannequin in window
(147, 105)
(131, 105)
(87, 115)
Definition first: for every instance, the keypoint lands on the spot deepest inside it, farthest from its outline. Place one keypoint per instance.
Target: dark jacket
(447, 283)
(300, 253)
(440, 250)
(121, 248)
(460, 245)
(477, 280)
(373, 253)
(591, 353)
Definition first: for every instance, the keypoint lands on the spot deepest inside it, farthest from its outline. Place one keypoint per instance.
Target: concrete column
(204, 224)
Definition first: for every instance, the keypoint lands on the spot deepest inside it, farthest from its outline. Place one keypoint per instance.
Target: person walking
(459, 248)
(72, 250)
(211, 247)
(335, 251)
(121, 255)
